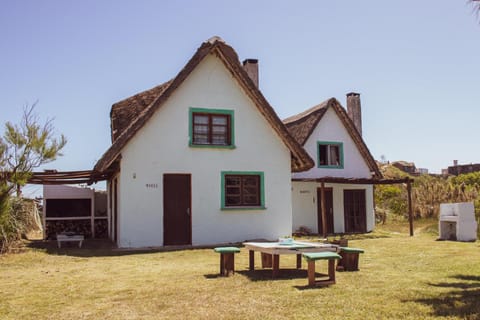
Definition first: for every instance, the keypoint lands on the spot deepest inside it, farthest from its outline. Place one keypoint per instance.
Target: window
(330, 155)
(242, 190)
(211, 128)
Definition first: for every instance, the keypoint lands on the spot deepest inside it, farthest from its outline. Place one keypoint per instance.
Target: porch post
(324, 214)
(410, 210)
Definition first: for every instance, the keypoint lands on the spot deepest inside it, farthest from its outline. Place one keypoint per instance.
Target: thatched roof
(130, 115)
(302, 125)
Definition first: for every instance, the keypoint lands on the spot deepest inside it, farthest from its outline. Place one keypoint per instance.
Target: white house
(200, 159)
(343, 166)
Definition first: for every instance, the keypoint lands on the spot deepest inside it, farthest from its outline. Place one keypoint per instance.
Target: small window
(242, 190)
(211, 127)
(330, 154)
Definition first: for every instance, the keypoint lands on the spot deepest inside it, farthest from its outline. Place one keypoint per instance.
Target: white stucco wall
(331, 128)
(161, 147)
(304, 194)
(305, 212)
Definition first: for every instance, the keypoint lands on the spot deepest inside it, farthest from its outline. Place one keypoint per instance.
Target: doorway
(177, 215)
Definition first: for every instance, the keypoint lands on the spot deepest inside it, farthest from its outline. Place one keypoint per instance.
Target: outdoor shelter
(322, 181)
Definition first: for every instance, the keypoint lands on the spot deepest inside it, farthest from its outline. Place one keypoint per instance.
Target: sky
(415, 63)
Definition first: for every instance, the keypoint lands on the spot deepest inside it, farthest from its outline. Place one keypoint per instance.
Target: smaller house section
(336, 195)
(72, 209)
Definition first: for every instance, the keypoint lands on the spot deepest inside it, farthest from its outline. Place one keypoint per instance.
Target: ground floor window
(242, 190)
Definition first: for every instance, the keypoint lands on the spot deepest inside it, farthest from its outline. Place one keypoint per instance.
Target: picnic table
(271, 251)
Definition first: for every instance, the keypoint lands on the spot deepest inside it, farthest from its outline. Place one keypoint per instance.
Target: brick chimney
(251, 67)
(354, 110)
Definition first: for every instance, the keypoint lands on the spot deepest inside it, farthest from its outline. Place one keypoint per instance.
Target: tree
(476, 5)
(23, 147)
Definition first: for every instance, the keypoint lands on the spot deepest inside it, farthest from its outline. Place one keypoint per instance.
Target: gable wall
(331, 128)
(161, 146)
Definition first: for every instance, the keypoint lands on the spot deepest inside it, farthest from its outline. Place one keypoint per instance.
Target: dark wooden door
(177, 215)
(328, 210)
(355, 211)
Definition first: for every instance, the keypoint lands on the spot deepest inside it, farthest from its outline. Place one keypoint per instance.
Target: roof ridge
(306, 113)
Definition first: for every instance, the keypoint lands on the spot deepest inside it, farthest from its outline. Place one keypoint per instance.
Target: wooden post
(324, 214)
(410, 210)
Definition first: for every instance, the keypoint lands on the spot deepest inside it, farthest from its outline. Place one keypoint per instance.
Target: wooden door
(355, 211)
(328, 210)
(177, 217)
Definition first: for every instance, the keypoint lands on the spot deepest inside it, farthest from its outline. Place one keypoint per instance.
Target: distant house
(201, 159)
(408, 167)
(457, 169)
(332, 137)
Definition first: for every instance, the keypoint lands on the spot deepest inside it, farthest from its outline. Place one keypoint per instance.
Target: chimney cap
(353, 94)
(253, 61)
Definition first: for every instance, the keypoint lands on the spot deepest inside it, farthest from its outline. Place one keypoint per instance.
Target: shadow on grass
(100, 248)
(266, 274)
(462, 301)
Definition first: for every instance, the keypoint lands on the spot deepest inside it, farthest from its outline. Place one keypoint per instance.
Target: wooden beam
(356, 180)
(324, 213)
(410, 210)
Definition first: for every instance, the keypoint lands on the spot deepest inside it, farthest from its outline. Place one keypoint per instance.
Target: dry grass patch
(399, 278)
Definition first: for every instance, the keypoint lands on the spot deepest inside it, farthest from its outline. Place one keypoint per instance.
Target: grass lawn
(400, 277)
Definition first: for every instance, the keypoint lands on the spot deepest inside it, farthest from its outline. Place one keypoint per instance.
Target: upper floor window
(211, 127)
(330, 154)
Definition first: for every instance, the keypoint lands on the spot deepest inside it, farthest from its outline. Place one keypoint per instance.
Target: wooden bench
(350, 257)
(312, 257)
(227, 260)
(70, 238)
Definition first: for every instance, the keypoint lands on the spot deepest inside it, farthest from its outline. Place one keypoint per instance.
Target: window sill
(211, 146)
(329, 167)
(242, 208)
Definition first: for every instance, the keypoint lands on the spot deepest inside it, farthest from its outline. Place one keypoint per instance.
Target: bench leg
(312, 282)
(311, 273)
(331, 271)
(276, 265)
(299, 261)
(251, 260)
(227, 264)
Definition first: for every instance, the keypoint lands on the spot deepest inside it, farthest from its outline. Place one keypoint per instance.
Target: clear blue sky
(415, 63)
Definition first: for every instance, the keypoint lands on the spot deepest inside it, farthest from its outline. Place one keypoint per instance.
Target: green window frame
(242, 190)
(330, 155)
(211, 128)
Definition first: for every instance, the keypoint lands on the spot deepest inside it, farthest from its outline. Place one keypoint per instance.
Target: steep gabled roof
(302, 125)
(127, 110)
(301, 161)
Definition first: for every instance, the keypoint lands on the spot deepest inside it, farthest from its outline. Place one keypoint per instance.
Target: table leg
(251, 260)
(276, 265)
(299, 261)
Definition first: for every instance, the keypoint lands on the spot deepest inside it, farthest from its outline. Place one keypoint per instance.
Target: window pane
(200, 119)
(219, 130)
(334, 155)
(251, 200)
(232, 180)
(232, 200)
(322, 155)
(219, 120)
